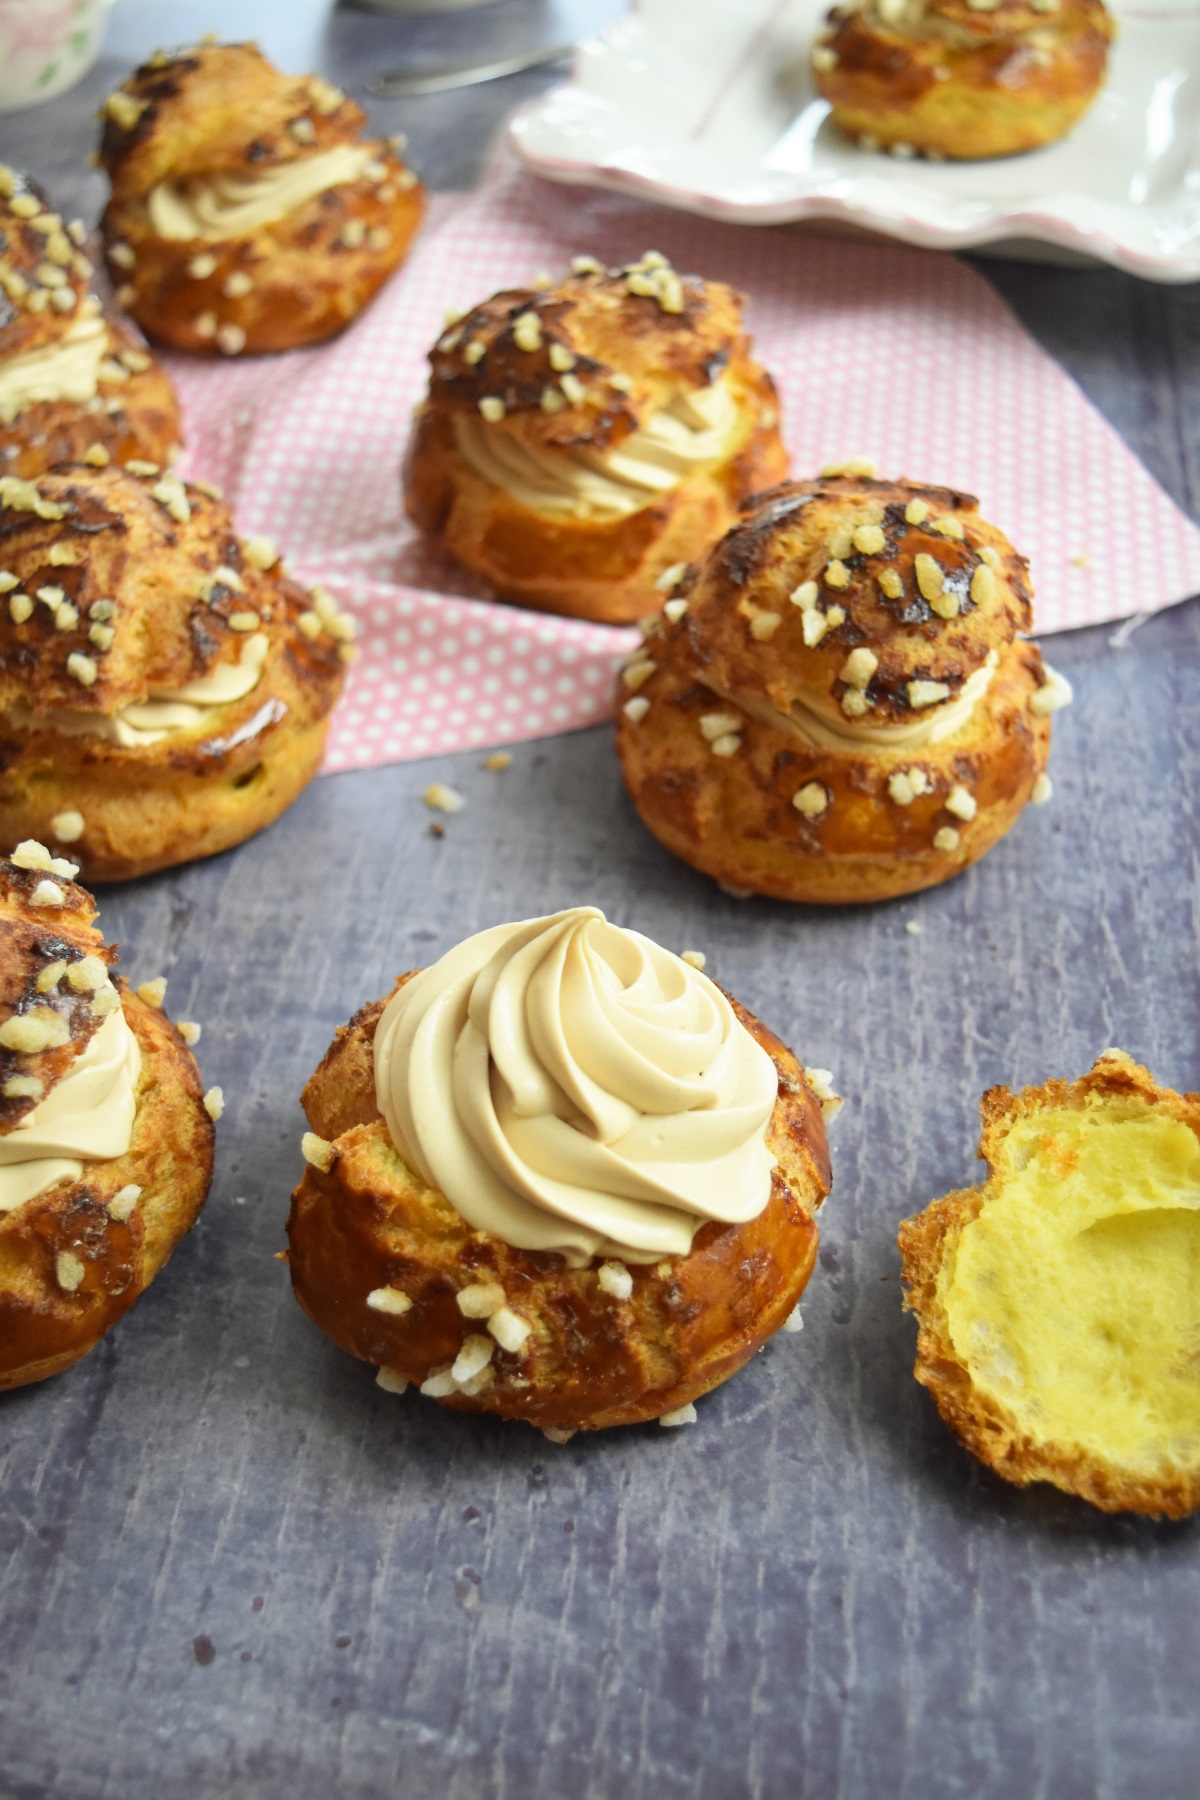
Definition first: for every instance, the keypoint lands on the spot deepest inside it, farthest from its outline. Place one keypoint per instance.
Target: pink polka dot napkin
(906, 356)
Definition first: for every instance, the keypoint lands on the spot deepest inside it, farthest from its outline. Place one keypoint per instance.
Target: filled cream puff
(837, 703)
(961, 78)
(558, 1176)
(1059, 1301)
(578, 441)
(165, 687)
(248, 212)
(106, 1142)
(75, 386)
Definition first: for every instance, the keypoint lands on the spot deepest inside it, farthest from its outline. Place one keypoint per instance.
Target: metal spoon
(394, 83)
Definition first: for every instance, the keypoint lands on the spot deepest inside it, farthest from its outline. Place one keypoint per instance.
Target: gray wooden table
(230, 1565)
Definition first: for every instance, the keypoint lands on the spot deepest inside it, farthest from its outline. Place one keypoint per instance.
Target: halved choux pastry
(165, 687)
(578, 441)
(106, 1142)
(836, 704)
(75, 385)
(248, 212)
(1059, 1302)
(961, 78)
(558, 1176)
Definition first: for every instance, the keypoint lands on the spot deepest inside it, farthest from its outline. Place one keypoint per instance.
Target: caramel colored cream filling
(570, 1086)
(164, 715)
(216, 207)
(698, 427)
(66, 370)
(817, 720)
(86, 1117)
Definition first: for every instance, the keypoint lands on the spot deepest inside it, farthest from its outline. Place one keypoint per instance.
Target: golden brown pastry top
(592, 360)
(134, 584)
(217, 109)
(971, 24)
(44, 274)
(850, 583)
(40, 933)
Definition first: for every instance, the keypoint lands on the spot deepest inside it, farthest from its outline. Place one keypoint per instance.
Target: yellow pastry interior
(1073, 1298)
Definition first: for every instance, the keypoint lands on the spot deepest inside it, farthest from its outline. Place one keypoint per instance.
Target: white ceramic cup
(46, 46)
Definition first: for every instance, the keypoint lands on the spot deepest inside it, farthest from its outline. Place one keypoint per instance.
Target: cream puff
(961, 78)
(75, 386)
(248, 212)
(837, 703)
(578, 441)
(1059, 1302)
(558, 1176)
(165, 687)
(106, 1142)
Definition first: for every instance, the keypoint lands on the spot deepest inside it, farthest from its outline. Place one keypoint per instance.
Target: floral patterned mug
(46, 46)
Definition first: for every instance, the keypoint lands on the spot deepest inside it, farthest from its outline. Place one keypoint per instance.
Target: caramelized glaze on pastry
(106, 1145)
(558, 1176)
(836, 704)
(248, 212)
(165, 687)
(580, 440)
(74, 384)
(1059, 1302)
(961, 78)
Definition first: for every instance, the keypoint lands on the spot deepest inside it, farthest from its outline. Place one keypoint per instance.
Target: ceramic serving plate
(708, 105)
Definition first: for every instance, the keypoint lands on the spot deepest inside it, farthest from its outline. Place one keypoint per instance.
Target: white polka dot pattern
(902, 355)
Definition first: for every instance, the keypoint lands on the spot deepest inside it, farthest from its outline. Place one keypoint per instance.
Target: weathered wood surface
(231, 1566)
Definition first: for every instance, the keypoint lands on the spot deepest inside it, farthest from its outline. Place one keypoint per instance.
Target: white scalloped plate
(707, 105)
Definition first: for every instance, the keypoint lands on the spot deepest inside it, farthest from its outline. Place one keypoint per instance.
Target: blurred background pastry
(248, 212)
(165, 687)
(559, 1176)
(961, 78)
(836, 705)
(75, 385)
(106, 1143)
(1059, 1301)
(579, 440)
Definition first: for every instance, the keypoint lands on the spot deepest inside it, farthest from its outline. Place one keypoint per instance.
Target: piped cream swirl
(570, 1086)
(216, 207)
(68, 369)
(698, 427)
(165, 714)
(86, 1117)
(818, 722)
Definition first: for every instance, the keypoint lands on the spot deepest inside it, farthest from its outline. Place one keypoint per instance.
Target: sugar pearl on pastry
(122, 1203)
(615, 1279)
(214, 1102)
(682, 1415)
(1043, 788)
(926, 693)
(961, 803)
(812, 800)
(946, 838)
(383, 1299)
(68, 1271)
(509, 1330)
(153, 993)
(636, 709)
(480, 1299)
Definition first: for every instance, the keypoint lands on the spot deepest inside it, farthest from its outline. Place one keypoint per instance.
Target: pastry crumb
(440, 798)
(214, 1103)
(794, 1321)
(391, 1381)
